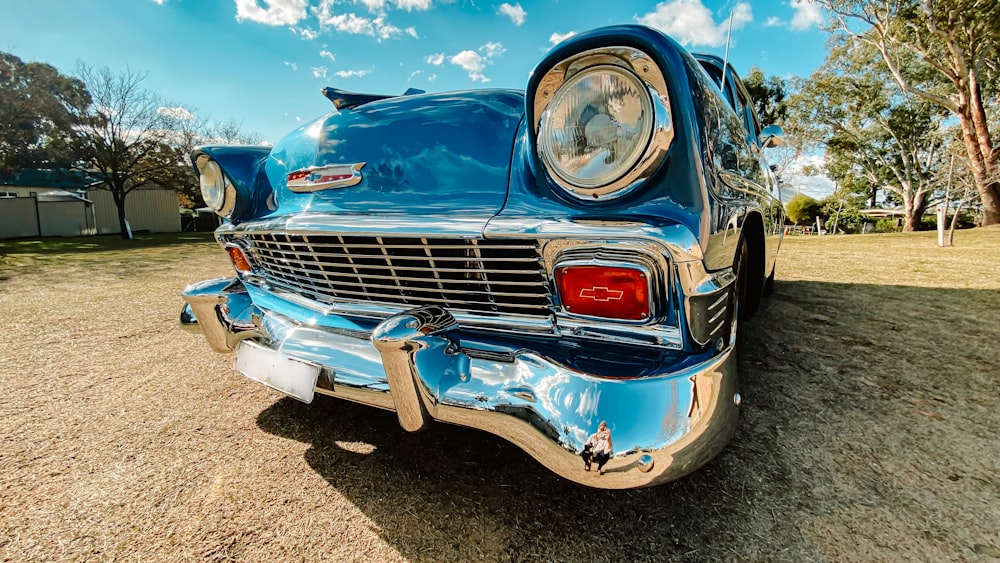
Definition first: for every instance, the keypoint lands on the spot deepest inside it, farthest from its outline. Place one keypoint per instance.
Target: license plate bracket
(291, 376)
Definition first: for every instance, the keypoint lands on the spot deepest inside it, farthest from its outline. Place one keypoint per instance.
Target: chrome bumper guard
(416, 364)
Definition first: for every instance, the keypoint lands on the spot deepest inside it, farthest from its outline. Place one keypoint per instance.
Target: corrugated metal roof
(37, 178)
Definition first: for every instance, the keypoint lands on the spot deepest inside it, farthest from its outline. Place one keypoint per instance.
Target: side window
(745, 110)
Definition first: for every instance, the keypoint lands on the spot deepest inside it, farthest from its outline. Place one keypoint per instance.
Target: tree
(803, 209)
(190, 130)
(39, 110)
(875, 137)
(843, 210)
(768, 94)
(959, 40)
(125, 137)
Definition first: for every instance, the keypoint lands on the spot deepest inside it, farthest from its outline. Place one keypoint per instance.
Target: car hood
(424, 155)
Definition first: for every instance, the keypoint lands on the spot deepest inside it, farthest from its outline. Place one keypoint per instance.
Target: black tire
(738, 297)
(769, 283)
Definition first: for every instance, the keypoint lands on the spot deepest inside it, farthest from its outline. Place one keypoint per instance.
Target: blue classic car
(532, 264)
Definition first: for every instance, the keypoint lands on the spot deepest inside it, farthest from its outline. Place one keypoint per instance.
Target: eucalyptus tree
(875, 136)
(39, 107)
(959, 41)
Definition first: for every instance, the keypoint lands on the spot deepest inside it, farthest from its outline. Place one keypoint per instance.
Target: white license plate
(295, 378)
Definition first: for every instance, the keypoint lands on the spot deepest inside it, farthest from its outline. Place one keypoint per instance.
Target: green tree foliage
(803, 209)
(842, 210)
(875, 137)
(768, 94)
(39, 109)
(956, 41)
(102, 123)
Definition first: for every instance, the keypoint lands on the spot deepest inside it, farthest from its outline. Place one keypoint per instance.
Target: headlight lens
(596, 127)
(213, 183)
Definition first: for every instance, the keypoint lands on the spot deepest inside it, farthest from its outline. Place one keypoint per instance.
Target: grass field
(870, 429)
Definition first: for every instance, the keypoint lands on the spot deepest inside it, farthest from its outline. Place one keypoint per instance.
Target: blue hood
(436, 154)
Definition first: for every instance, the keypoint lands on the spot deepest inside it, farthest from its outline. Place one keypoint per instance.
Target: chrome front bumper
(416, 364)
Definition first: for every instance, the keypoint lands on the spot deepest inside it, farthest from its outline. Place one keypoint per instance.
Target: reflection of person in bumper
(598, 448)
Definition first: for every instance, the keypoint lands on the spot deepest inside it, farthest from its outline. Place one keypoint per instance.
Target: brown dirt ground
(869, 431)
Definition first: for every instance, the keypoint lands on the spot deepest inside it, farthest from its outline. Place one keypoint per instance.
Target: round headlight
(597, 126)
(213, 183)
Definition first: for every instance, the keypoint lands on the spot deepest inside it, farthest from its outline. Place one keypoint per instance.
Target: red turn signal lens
(239, 259)
(604, 291)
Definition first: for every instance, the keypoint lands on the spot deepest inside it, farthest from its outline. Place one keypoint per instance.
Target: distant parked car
(530, 264)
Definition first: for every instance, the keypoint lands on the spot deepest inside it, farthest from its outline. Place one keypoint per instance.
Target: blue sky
(264, 62)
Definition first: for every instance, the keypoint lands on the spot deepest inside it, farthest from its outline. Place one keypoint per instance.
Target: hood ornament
(316, 178)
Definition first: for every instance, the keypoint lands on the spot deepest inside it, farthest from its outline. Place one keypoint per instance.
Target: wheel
(738, 297)
(769, 282)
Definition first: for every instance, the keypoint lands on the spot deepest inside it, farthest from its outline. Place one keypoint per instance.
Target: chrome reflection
(665, 426)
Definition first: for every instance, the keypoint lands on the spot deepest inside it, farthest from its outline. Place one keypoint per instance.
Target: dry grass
(871, 430)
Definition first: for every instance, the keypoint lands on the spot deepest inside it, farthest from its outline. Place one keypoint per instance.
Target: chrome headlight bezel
(629, 64)
(216, 188)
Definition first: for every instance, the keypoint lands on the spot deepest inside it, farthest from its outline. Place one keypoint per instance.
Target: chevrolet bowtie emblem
(316, 178)
(602, 294)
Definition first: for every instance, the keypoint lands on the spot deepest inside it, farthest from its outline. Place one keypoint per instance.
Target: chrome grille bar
(466, 275)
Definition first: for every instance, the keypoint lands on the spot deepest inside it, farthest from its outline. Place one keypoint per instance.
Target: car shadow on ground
(815, 372)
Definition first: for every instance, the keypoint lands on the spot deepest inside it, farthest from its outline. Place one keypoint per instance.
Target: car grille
(477, 276)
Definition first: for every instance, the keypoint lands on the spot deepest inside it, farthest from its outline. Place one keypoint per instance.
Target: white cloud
(432, 78)
(560, 37)
(159, 2)
(327, 55)
(515, 12)
(292, 65)
(795, 178)
(305, 33)
(379, 6)
(493, 49)
(474, 64)
(349, 23)
(385, 30)
(358, 25)
(807, 14)
(774, 21)
(412, 32)
(352, 73)
(272, 12)
(179, 113)
(691, 23)
(436, 59)
(318, 71)
(410, 5)
(470, 61)
(415, 74)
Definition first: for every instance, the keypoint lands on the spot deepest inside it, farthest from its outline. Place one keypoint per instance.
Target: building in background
(40, 203)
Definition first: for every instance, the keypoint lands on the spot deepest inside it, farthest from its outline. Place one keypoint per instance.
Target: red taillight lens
(604, 291)
(239, 259)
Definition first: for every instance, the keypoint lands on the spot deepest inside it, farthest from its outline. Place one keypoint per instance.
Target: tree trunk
(984, 170)
(914, 209)
(122, 223)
